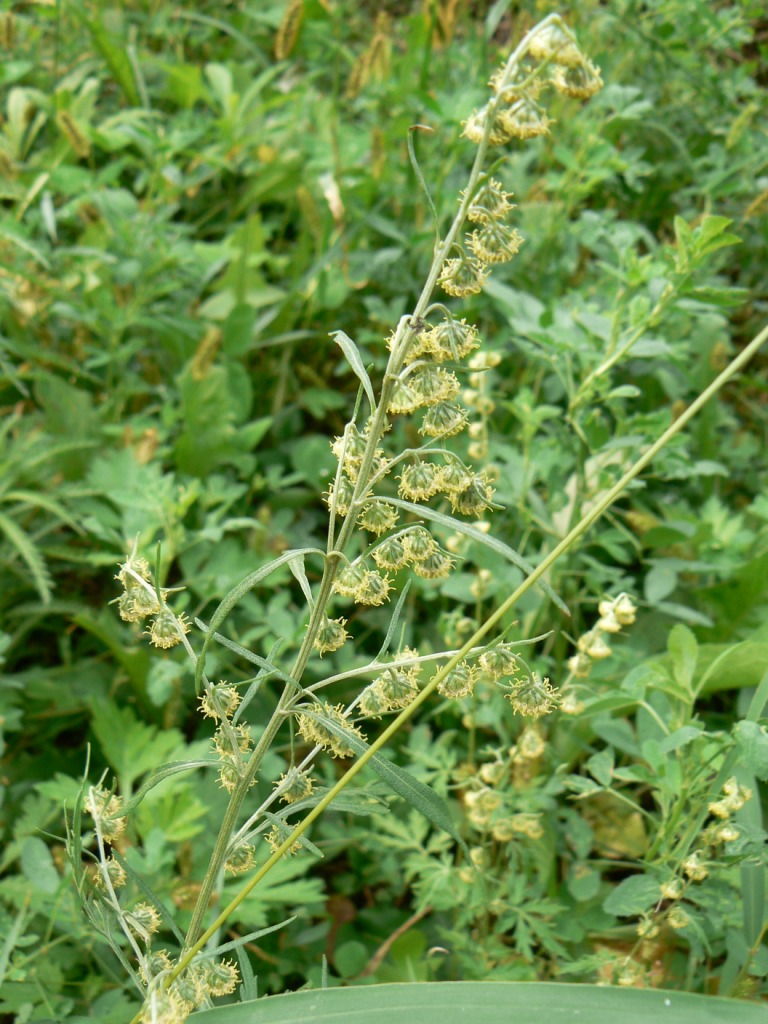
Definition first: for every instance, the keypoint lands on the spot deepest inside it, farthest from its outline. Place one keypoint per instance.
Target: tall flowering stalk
(376, 530)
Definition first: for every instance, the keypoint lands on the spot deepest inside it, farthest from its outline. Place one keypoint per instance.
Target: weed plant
(617, 837)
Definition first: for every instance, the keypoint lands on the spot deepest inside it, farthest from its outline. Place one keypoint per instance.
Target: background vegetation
(193, 196)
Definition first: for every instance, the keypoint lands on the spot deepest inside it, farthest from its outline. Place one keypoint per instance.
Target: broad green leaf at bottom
(488, 1002)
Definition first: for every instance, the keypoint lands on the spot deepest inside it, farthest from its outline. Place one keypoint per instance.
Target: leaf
(37, 866)
(753, 901)
(351, 351)
(165, 771)
(114, 53)
(679, 738)
(296, 565)
(632, 896)
(31, 555)
(752, 744)
(659, 583)
(267, 667)
(394, 621)
(130, 746)
(240, 941)
(165, 914)
(488, 1002)
(684, 649)
(237, 594)
(400, 781)
(713, 296)
(684, 239)
(468, 530)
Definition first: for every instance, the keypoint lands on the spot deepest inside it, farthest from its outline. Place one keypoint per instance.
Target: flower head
(459, 682)
(532, 696)
(168, 629)
(331, 636)
(461, 277)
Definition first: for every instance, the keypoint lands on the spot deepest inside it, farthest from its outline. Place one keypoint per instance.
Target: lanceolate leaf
(240, 941)
(490, 542)
(488, 1002)
(400, 781)
(165, 771)
(238, 593)
(352, 353)
(168, 918)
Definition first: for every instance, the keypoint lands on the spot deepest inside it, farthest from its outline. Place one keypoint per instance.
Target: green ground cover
(193, 197)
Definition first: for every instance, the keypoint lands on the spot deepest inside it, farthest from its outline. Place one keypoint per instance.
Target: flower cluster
(593, 646)
(202, 981)
(392, 690)
(232, 741)
(105, 809)
(325, 725)
(696, 866)
(140, 599)
(552, 57)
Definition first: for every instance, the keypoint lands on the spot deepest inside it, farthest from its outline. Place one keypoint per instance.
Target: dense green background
(184, 218)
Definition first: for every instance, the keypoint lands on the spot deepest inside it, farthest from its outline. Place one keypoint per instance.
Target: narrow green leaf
(165, 771)
(684, 649)
(249, 988)
(168, 918)
(490, 542)
(31, 555)
(394, 621)
(237, 594)
(753, 901)
(296, 565)
(759, 700)
(240, 941)
(350, 350)
(111, 49)
(358, 801)
(491, 1002)
(263, 674)
(255, 659)
(400, 781)
(36, 500)
(684, 239)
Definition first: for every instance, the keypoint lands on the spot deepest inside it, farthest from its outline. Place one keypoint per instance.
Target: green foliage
(185, 220)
